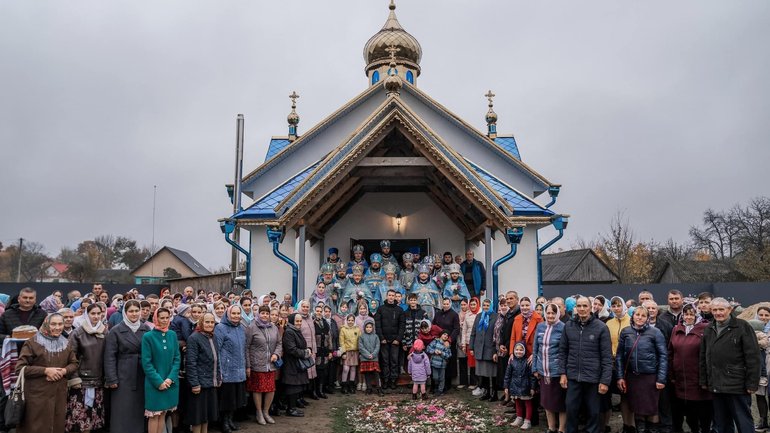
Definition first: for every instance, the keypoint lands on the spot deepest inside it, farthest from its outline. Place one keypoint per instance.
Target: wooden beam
(347, 201)
(449, 213)
(468, 221)
(460, 201)
(388, 171)
(319, 218)
(339, 191)
(395, 161)
(394, 181)
(478, 232)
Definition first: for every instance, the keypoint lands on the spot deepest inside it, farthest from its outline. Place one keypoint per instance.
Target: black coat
(412, 319)
(586, 351)
(122, 366)
(448, 321)
(665, 326)
(507, 329)
(11, 319)
(389, 322)
(294, 349)
(200, 362)
(729, 363)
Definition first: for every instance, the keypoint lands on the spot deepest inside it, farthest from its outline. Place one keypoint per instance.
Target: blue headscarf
(4, 298)
(484, 315)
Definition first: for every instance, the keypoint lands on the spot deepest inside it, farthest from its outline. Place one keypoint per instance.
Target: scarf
(484, 320)
(499, 323)
(49, 342)
(525, 317)
(156, 323)
(226, 318)
(97, 330)
(199, 325)
(299, 308)
(50, 304)
(247, 317)
(262, 323)
(133, 326)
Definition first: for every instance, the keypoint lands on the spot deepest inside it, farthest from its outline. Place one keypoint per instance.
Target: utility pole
(21, 249)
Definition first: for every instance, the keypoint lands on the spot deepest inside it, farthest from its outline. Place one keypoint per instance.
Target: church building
(393, 164)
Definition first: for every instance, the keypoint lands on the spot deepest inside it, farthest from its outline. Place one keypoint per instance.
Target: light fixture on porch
(398, 220)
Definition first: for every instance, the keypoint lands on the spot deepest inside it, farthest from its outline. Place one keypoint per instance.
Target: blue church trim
(410, 77)
(522, 205)
(508, 143)
(276, 145)
(264, 208)
(375, 77)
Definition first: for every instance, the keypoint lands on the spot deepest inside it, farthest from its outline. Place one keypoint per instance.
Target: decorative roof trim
(525, 196)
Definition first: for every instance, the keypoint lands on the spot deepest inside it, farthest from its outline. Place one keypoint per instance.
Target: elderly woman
(203, 376)
(308, 331)
(230, 339)
(684, 358)
(122, 353)
(69, 318)
(548, 366)
(51, 304)
(263, 350)
(294, 378)
(642, 366)
(483, 348)
(85, 408)
(46, 359)
(160, 361)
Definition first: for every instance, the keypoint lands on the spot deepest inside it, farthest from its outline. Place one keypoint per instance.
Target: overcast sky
(660, 109)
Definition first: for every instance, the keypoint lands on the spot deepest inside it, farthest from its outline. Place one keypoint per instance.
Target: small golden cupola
(378, 57)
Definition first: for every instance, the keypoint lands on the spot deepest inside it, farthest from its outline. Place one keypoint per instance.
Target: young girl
(349, 335)
(419, 369)
(369, 351)
(520, 386)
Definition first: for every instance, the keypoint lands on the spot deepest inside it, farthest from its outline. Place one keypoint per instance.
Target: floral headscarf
(44, 338)
(50, 304)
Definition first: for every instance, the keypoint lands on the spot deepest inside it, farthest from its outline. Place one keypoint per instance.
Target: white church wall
(312, 257)
(372, 217)
(312, 151)
(520, 272)
(470, 148)
(268, 272)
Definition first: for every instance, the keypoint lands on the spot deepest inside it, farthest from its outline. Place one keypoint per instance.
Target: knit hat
(418, 345)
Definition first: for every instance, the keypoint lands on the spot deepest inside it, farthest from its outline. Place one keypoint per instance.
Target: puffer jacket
(412, 319)
(419, 367)
(231, 346)
(261, 345)
(642, 351)
(440, 359)
(349, 338)
(729, 362)
(519, 380)
(201, 369)
(586, 352)
(390, 322)
(547, 360)
(368, 344)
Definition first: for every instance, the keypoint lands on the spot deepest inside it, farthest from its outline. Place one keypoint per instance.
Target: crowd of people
(192, 359)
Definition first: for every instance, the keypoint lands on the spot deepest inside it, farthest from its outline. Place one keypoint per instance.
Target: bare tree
(719, 234)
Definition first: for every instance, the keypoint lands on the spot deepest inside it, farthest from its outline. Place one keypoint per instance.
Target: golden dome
(392, 34)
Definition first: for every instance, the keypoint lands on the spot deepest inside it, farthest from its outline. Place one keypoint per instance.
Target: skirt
(232, 396)
(261, 381)
(201, 408)
(369, 366)
(485, 368)
(553, 397)
(81, 417)
(642, 394)
(351, 358)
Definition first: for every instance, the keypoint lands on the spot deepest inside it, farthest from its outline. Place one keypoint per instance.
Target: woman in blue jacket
(642, 361)
(230, 339)
(548, 368)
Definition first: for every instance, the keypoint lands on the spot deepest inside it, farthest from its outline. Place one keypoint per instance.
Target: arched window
(410, 77)
(375, 77)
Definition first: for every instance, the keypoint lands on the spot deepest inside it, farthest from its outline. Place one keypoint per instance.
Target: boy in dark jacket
(412, 318)
(390, 329)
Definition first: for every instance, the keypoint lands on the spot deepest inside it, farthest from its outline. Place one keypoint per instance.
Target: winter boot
(414, 396)
(494, 396)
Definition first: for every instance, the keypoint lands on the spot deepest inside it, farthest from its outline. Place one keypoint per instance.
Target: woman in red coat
(684, 351)
(524, 325)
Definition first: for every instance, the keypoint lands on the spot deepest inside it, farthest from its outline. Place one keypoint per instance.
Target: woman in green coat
(160, 361)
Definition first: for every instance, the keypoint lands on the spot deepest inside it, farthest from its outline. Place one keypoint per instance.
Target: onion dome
(392, 34)
(491, 117)
(293, 117)
(393, 83)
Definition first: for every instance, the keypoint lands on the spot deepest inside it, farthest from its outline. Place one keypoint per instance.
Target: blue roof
(276, 145)
(264, 208)
(509, 145)
(522, 205)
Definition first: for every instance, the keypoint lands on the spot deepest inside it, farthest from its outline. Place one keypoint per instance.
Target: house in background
(699, 271)
(54, 273)
(576, 267)
(154, 269)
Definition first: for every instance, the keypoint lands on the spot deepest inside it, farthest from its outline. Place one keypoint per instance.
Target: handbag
(14, 407)
(306, 363)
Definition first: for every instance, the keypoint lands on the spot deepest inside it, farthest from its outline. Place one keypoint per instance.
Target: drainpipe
(512, 236)
(228, 226)
(553, 191)
(559, 223)
(275, 236)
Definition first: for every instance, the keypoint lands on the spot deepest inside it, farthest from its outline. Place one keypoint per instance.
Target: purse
(306, 363)
(14, 407)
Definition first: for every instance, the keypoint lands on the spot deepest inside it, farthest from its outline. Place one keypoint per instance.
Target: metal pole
(152, 247)
(21, 249)
(237, 189)
(301, 264)
(488, 256)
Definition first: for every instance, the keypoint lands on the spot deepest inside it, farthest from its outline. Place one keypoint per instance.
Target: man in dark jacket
(474, 275)
(389, 325)
(729, 368)
(412, 318)
(587, 353)
(448, 320)
(25, 312)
